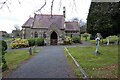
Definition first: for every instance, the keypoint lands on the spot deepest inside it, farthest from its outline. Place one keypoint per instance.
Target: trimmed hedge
(39, 41)
(31, 42)
(3, 48)
(76, 39)
(36, 41)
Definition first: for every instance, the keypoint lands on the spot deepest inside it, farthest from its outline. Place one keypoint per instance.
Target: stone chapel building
(52, 28)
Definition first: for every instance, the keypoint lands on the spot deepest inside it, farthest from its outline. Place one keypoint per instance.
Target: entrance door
(53, 40)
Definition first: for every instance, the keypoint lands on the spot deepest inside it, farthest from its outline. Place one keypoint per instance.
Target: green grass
(16, 57)
(102, 66)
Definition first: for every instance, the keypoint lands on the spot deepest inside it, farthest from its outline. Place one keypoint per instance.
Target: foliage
(112, 40)
(39, 41)
(103, 66)
(16, 32)
(31, 42)
(3, 48)
(76, 39)
(92, 37)
(103, 18)
(36, 41)
(86, 35)
(68, 40)
(19, 43)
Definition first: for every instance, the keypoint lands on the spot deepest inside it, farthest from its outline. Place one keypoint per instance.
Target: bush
(39, 41)
(76, 39)
(3, 48)
(92, 37)
(19, 43)
(68, 40)
(86, 35)
(31, 42)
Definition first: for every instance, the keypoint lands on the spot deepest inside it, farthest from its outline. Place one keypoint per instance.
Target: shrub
(92, 37)
(68, 40)
(19, 43)
(39, 41)
(86, 35)
(31, 42)
(76, 39)
(3, 48)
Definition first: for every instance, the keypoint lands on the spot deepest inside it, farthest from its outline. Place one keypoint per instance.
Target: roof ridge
(50, 14)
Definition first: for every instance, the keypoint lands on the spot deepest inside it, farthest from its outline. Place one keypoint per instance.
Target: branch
(19, 2)
(3, 3)
(60, 3)
(6, 2)
(75, 5)
(52, 7)
(39, 10)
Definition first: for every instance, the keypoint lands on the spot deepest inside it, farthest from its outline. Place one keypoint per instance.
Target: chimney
(64, 11)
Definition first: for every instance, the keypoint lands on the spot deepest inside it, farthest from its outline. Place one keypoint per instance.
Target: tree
(75, 19)
(16, 32)
(86, 35)
(100, 19)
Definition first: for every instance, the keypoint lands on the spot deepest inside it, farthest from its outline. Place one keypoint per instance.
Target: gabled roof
(45, 21)
(28, 23)
(72, 26)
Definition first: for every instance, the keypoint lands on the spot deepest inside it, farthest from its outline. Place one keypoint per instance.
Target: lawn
(16, 57)
(102, 66)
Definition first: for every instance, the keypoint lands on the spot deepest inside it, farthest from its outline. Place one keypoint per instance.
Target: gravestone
(97, 46)
(30, 51)
(108, 40)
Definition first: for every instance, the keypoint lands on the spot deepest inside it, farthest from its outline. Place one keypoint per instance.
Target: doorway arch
(53, 38)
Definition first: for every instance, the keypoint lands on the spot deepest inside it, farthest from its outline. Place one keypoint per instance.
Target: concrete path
(51, 62)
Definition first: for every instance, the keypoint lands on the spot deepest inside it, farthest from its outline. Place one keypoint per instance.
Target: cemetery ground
(17, 57)
(104, 65)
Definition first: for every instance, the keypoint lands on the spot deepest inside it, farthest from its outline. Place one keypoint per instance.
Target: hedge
(31, 42)
(3, 48)
(76, 39)
(39, 41)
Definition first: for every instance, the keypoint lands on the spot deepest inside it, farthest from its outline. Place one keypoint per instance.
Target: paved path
(51, 62)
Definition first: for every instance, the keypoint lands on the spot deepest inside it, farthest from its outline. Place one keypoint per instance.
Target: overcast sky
(19, 13)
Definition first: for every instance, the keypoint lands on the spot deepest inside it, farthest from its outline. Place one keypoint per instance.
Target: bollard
(30, 51)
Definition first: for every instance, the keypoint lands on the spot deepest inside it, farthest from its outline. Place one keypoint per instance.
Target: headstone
(108, 40)
(30, 50)
(97, 46)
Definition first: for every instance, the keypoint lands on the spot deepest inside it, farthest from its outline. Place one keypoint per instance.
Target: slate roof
(28, 23)
(45, 21)
(72, 26)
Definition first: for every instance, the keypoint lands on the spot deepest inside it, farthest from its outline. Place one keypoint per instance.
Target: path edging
(77, 64)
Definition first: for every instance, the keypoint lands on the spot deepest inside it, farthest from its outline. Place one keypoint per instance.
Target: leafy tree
(101, 19)
(16, 32)
(86, 35)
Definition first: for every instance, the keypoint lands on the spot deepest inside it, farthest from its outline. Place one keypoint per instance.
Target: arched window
(44, 35)
(36, 35)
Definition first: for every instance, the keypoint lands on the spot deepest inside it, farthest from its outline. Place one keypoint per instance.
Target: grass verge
(15, 58)
(102, 66)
